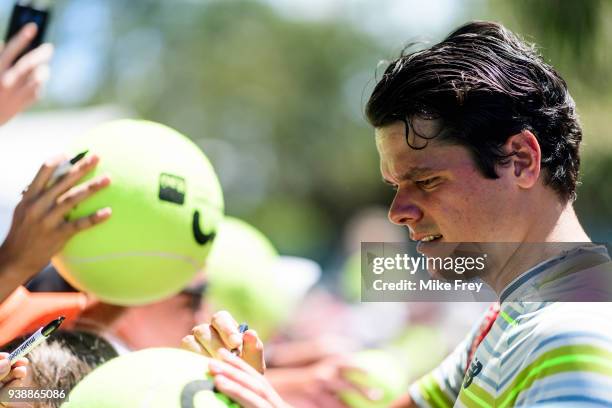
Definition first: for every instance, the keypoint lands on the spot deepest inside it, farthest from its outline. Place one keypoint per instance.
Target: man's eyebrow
(412, 174)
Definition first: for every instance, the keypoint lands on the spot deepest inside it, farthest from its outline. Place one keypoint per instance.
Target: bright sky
(84, 27)
(390, 20)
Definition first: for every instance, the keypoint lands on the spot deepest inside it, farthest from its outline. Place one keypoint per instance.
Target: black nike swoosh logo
(190, 390)
(200, 237)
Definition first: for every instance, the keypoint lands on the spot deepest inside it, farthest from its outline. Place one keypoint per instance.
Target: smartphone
(24, 13)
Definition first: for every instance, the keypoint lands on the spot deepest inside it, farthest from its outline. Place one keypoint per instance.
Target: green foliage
(283, 96)
(276, 102)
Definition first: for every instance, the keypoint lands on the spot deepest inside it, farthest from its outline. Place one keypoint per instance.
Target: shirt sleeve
(440, 388)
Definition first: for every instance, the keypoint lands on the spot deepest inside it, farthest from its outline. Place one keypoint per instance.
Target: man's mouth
(433, 245)
(429, 238)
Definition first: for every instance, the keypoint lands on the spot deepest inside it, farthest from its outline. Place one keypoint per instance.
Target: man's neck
(558, 226)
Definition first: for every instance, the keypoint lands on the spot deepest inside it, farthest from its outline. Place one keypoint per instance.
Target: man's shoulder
(565, 352)
(559, 316)
(567, 327)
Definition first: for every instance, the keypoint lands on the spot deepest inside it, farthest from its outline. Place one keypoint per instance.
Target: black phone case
(23, 15)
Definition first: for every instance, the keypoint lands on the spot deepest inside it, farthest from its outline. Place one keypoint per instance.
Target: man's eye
(428, 183)
(390, 184)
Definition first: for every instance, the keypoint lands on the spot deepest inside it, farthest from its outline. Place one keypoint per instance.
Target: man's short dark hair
(484, 84)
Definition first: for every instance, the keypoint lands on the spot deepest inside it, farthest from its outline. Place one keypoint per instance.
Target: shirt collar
(514, 288)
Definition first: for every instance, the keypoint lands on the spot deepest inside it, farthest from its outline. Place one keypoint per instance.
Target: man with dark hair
(479, 138)
(476, 89)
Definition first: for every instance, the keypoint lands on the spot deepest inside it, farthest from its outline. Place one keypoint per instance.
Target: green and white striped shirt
(536, 353)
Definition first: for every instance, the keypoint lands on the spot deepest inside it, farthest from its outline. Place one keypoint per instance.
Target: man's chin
(442, 257)
(438, 248)
(444, 274)
(452, 275)
(436, 274)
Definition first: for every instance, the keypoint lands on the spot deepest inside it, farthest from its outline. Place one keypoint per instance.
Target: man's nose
(403, 210)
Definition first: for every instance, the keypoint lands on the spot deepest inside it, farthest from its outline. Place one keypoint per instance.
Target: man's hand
(242, 383)
(11, 377)
(20, 84)
(10, 374)
(222, 333)
(39, 228)
(405, 401)
(320, 384)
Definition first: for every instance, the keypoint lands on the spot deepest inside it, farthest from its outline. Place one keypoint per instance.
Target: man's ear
(525, 159)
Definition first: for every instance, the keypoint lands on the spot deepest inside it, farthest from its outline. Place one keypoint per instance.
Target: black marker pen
(36, 339)
(241, 329)
(65, 167)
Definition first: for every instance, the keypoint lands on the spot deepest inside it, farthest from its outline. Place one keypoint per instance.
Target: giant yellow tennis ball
(152, 378)
(380, 373)
(241, 277)
(166, 203)
(408, 348)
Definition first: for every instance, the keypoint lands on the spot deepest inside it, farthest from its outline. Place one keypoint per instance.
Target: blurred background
(273, 91)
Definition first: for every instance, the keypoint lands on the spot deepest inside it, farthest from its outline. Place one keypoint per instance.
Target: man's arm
(405, 401)
(10, 279)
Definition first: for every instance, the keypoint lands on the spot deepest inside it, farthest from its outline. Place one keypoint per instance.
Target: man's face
(160, 324)
(442, 195)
